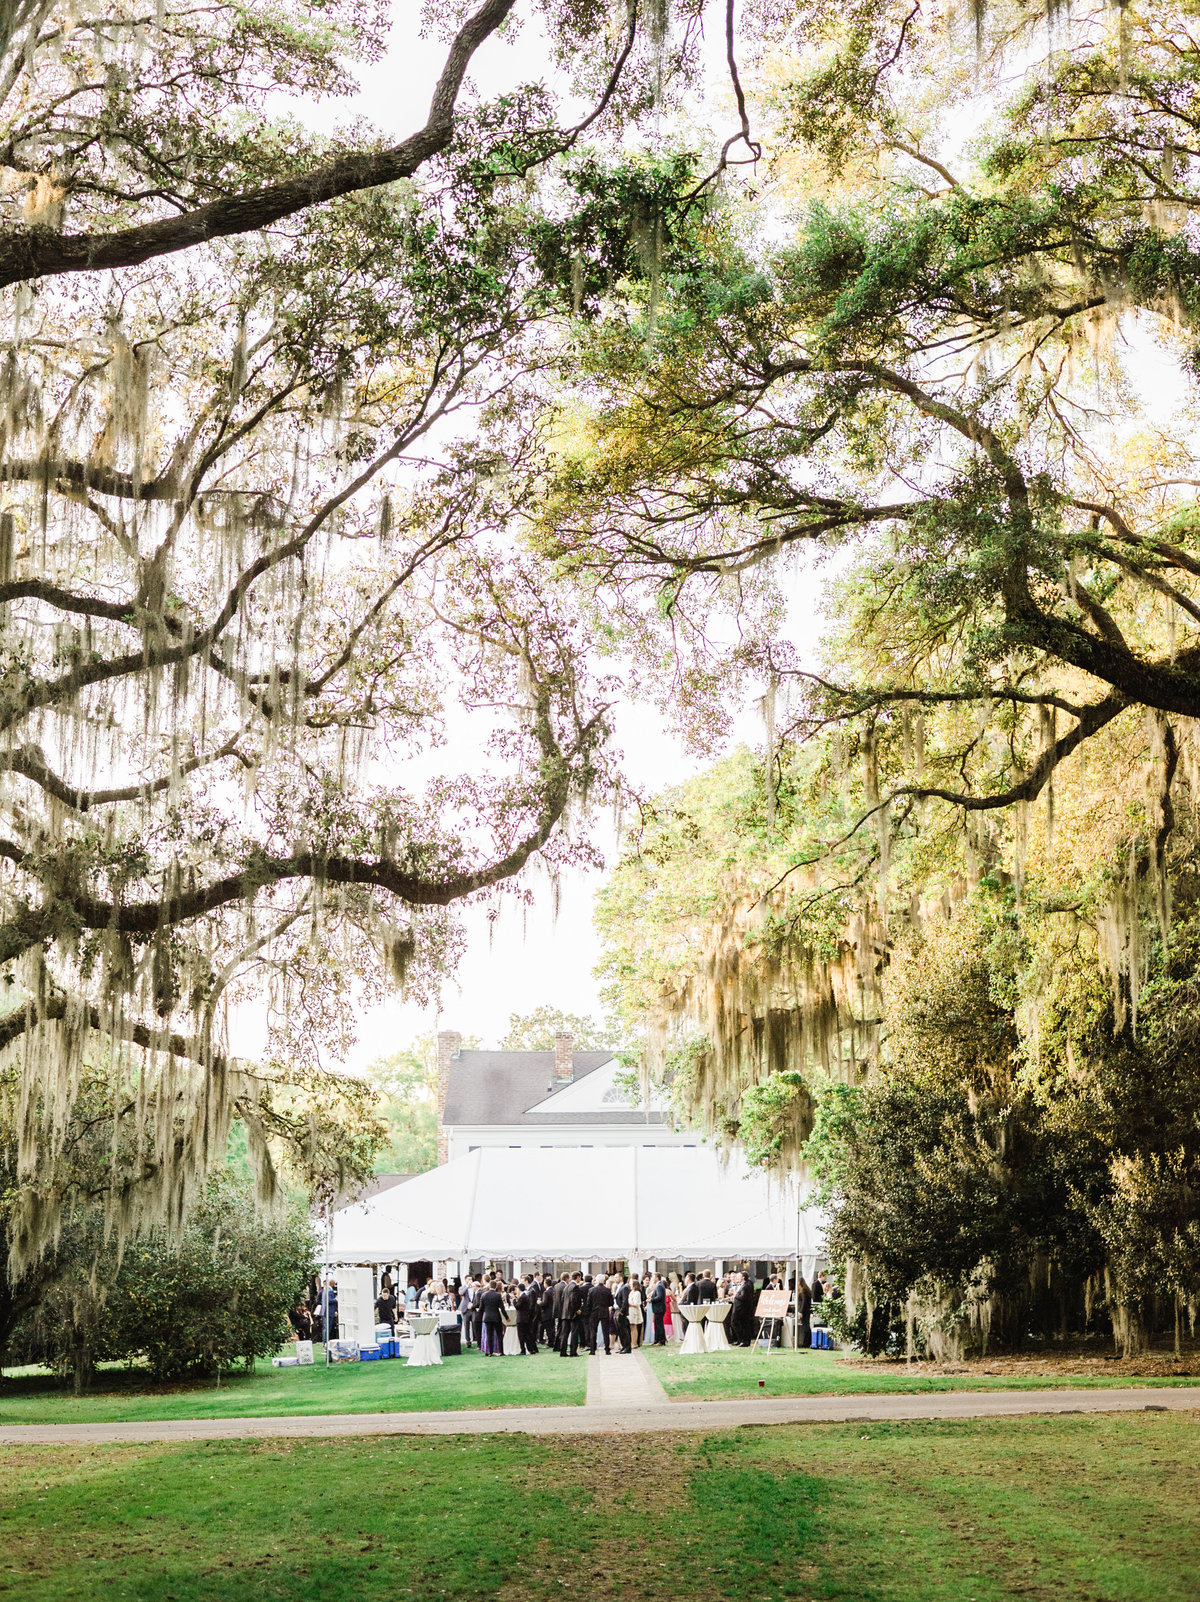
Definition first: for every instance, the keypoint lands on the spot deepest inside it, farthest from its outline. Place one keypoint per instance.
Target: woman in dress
(512, 1341)
(803, 1313)
(635, 1312)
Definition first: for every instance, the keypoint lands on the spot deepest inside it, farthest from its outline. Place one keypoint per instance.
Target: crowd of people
(578, 1311)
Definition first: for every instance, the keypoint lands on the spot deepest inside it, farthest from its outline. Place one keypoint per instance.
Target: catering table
(693, 1341)
(715, 1338)
(426, 1351)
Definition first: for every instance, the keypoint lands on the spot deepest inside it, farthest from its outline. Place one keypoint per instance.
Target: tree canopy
(256, 566)
(535, 1031)
(326, 458)
(954, 387)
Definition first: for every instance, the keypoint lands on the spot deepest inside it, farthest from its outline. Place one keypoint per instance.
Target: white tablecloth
(427, 1351)
(693, 1341)
(715, 1338)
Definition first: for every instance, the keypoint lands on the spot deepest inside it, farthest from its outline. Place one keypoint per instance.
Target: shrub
(188, 1302)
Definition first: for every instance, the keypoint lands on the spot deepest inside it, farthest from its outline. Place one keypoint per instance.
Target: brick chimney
(564, 1068)
(448, 1045)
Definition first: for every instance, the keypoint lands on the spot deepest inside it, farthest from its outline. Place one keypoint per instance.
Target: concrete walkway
(605, 1419)
(624, 1380)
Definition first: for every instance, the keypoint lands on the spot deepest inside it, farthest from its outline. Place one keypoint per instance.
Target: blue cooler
(369, 1354)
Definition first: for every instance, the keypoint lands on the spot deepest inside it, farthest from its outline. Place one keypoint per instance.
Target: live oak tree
(318, 1137)
(925, 379)
(256, 547)
(926, 382)
(1001, 1122)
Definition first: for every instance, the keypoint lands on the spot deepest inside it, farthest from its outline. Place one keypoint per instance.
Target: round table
(426, 1351)
(715, 1337)
(693, 1341)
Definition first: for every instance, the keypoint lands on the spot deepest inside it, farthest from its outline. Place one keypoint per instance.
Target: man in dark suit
(600, 1303)
(477, 1314)
(573, 1303)
(691, 1291)
(742, 1316)
(524, 1324)
(621, 1304)
(589, 1327)
(658, 1310)
(533, 1290)
(547, 1305)
(707, 1289)
(491, 1317)
(560, 1311)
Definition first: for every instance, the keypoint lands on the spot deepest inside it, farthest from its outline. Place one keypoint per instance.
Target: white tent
(573, 1203)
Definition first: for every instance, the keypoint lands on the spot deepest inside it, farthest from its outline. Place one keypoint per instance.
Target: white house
(522, 1100)
(544, 1159)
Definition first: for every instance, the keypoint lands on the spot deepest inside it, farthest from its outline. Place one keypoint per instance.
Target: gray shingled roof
(495, 1087)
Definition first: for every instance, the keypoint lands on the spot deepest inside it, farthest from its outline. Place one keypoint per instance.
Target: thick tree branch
(40, 253)
(1091, 721)
(862, 699)
(262, 870)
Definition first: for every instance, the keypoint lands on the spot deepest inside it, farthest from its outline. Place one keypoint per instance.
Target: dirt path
(607, 1419)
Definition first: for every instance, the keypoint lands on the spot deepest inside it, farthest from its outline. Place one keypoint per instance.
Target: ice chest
(369, 1354)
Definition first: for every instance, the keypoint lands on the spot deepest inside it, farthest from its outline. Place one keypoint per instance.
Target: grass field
(724, 1375)
(1102, 1508)
(466, 1381)
(472, 1381)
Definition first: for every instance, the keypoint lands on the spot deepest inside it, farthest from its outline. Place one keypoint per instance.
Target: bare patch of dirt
(1047, 1365)
(622, 1482)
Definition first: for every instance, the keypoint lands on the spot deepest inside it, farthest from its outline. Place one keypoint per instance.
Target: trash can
(451, 1342)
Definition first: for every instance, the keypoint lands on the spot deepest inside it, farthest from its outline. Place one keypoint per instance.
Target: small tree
(190, 1301)
(535, 1031)
(406, 1082)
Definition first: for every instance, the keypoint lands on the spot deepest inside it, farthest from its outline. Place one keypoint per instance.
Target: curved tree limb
(40, 253)
(30, 764)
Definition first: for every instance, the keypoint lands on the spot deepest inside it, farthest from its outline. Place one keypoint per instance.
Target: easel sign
(770, 1311)
(773, 1303)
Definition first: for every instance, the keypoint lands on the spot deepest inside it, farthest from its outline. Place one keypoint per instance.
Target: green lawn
(472, 1381)
(1104, 1508)
(385, 1387)
(721, 1375)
